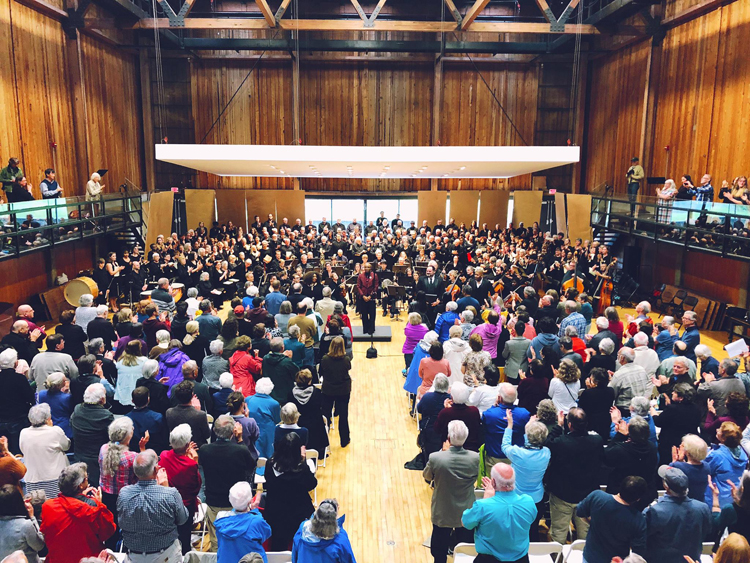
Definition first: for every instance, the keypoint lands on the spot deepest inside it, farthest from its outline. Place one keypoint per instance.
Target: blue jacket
(444, 323)
(691, 337)
(676, 527)
(530, 465)
(274, 300)
(298, 350)
(266, 411)
(240, 534)
(651, 426)
(61, 407)
(309, 548)
(540, 341)
(724, 464)
(495, 423)
(413, 381)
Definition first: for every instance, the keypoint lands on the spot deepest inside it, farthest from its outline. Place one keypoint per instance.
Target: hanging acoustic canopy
(303, 161)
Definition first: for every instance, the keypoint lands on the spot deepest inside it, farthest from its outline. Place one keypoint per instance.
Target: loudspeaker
(631, 261)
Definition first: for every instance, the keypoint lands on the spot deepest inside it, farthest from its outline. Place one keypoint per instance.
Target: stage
(382, 334)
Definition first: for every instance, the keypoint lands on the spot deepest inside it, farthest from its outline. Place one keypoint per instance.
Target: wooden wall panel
(10, 134)
(291, 204)
(431, 206)
(493, 208)
(230, 206)
(199, 206)
(615, 115)
(159, 216)
(261, 203)
(113, 108)
(464, 206)
(579, 216)
(527, 207)
(561, 213)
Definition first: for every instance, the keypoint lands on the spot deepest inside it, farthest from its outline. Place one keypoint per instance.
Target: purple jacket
(490, 334)
(123, 342)
(413, 333)
(170, 366)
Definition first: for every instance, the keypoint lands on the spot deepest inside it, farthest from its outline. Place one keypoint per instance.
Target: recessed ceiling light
(413, 175)
(281, 172)
(423, 168)
(445, 175)
(272, 166)
(311, 166)
(462, 168)
(386, 167)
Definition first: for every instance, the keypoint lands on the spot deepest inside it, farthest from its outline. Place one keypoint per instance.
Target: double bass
(604, 290)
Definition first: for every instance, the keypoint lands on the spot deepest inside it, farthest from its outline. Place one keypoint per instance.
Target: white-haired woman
(530, 463)
(666, 195)
(116, 465)
(288, 424)
(57, 396)
(90, 422)
(181, 465)
(129, 370)
(421, 351)
(86, 311)
(43, 447)
(455, 349)
(214, 365)
(266, 412)
(323, 532)
(241, 530)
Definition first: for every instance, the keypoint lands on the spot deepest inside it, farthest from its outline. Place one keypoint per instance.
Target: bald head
(25, 311)
(503, 477)
(20, 327)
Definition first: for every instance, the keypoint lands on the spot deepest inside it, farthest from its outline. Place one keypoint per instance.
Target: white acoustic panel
(304, 161)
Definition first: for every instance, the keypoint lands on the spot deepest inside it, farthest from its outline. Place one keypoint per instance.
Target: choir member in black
(135, 282)
(101, 278)
(269, 223)
(480, 287)
(114, 269)
(433, 288)
(201, 231)
(367, 292)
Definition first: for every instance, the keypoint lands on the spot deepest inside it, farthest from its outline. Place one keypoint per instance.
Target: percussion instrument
(146, 295)
(80, 286)
(177, 291)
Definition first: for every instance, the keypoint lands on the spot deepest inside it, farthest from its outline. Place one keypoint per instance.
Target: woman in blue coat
(413, 381)
(241, 530)
(262, 408)
(725, 463)
(321, 539)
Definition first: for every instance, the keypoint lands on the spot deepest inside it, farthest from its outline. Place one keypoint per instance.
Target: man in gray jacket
(53, 360)
(454, 472)
(717, 389)
(515, 353)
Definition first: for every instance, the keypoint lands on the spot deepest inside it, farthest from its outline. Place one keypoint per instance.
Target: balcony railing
(716, 228)
(33, 225)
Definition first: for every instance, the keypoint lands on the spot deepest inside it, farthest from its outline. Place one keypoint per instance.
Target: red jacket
(74, 529)
(245, 368)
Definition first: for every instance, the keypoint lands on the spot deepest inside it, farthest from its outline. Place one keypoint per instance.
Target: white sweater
(43, 451)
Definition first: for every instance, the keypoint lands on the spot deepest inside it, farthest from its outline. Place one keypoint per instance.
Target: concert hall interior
(294, 281)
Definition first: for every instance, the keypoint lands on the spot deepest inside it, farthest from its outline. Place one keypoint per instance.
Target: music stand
(422, 270)
(339, 271)
(399, 293)
(400, 269)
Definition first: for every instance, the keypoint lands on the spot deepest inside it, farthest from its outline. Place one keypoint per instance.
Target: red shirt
(183, 475)
(244, 367)
(74, 529)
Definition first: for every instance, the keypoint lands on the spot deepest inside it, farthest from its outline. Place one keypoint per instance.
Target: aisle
(387, 507)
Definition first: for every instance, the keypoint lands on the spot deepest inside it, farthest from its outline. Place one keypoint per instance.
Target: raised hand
(143, 442)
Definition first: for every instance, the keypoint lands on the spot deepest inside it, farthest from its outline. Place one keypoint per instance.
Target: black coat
(224, 464)
(159, 401)
(335, 373)
(676, 420)
(627, 458)
(102, 328)
(596, 403)
(16, 396)
(74, 337)
(25, 348)
(311, 418)
(575, 464)
(288, 503)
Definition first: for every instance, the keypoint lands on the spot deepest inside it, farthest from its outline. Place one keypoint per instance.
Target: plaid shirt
(124, 475)
(149, 515)
(577, 320)
(703, 193)
(630, 381)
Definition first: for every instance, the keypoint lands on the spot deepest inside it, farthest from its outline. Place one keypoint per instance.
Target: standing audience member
(57, 396)
(19, 529)
(43, 447)
(726, 462)
(266, 412)
(148, 420)
(241, 530)
(187, 413)
(90, 422)
(321, 538)
(337, 387)
(214, 365)
(16, 398)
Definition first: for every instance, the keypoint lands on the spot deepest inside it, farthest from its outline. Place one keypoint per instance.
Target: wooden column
(650, 99)
(580, 129)
(74, 60)
(148, 122)
(437, 102)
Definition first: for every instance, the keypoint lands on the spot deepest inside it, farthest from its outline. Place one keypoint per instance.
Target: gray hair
(702, 351)
(455, 331)
(226, 380)
(634, 558)
(216, 347)
(640, 406)
(501, 483)
(94, 394)
(644, 306)
(8, 358)
(414, 318)
(507, 393)
(39, 414)
(240, 496)
(180, 436)
(467, 316)
(669, 321)
(252, 291)
(627, 355)
(145, 464)
(264, 386)
(162, 336)
(602, 323)
(277, 344)
(640, 339)
(94, 345)
(86, 300)
(536, 433)
(293, 331)
(692, 315)
(150, 368)
(451, 306)
(460, 392)
(192, 292)
(529, 291)
(571, 331)
(324, 522)
(681, 360)
(102, 310)
(118, 432)
(607, 346)
(458, 432)
(729, 366)
(162, 282)
(55, 381)
(570, 305)
(441, 383)
(71, 477)
(253, 557)
(204, 276)
(224, 427)
(289, 414)
(326, 291)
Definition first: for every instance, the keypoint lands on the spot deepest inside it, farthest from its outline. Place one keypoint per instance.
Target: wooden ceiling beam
(356, 25)
(473, 12)
(360, 11)
(282, 9)
(268, 15)
(454, 11)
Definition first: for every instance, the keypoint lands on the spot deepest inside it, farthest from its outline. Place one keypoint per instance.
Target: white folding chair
(574, 552)
(478, 494)
(707, 553)
(539, 552)
(279, 556)
(259, 479)
(661, 493)
(464, 553)
(312, 461)
(200, 518)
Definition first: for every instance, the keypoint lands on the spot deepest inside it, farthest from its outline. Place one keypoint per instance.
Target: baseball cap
(674, 478)
(239, 310)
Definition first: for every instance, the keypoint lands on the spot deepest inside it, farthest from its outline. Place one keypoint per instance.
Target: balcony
(715, 228)
(31, 226)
